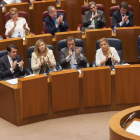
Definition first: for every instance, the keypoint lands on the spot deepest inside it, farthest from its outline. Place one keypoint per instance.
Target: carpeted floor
(93, 126)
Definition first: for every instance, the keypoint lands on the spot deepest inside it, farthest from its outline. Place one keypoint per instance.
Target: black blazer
(5, 66)
(66, 65)
(50, 25)
(117, 18)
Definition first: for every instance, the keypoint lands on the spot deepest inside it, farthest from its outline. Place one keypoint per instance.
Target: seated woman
(42, 60)
(106, 55)
(16, 26)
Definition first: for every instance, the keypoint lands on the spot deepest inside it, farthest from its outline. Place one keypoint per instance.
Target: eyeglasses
(71, 44)
(14, 14)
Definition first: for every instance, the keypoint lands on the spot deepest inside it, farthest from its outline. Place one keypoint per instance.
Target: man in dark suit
(55, 22)
(11, 65)
(72, 56)
(123, 17)
(93, 19)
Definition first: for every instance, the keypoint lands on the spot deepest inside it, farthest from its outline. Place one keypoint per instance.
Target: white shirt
(100, 56)
(19, 27)
(12, 1)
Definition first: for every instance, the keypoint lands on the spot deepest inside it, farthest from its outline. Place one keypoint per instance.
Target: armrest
(29, 71)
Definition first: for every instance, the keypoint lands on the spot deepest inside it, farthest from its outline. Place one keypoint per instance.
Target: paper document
(134, 128)
(12, 81)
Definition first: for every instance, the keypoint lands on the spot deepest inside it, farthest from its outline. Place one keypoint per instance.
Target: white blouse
(12, 1)
(19, 27)
(100, 56)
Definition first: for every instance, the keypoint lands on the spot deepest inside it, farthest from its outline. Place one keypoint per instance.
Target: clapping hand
(78, 51)
(41, 61)
(20, 64)
(14, 65)
(70, 51)
(24, 26)
(61, 19)
(113, 59)
(126, 18)
(15, 24)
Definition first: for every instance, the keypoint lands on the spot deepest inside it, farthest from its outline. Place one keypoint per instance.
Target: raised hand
(15, 24)
(78, 51)
(24, 26)
(61, 19)
(20, 64)
(14, 65)
(70, 51)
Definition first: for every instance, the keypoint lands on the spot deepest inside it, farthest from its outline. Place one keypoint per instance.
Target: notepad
(134, 128)
(12, 81)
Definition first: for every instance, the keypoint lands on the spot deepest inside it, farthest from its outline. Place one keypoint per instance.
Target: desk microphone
(129, 119)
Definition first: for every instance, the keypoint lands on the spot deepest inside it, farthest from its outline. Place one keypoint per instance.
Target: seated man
(72, 56)
(93, 18)
(123, 17)
(55, 22)
(11, 65)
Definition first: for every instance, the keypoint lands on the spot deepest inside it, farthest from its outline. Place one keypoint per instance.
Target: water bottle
(45, 73)
(114, 29)
(50, 70)
(1, 38)
(58, 2)
(74, 66)
(19, 35)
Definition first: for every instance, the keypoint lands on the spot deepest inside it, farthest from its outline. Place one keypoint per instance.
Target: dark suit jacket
(64, 52)
(5, 66)
(117, 18)
(50, 25)
(86, 21)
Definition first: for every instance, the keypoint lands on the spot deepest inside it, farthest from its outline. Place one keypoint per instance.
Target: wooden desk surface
(116, 131)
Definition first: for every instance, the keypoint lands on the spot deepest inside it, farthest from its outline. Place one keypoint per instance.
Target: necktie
(55, 21)
(124, 24)
(95, 22)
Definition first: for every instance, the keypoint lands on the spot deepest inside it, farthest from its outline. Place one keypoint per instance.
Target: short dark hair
(90, 3)
(11, 46)
(70, 38)
(124, 5)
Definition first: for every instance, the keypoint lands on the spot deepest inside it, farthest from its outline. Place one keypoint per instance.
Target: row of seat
(116, 43)
(84, 8)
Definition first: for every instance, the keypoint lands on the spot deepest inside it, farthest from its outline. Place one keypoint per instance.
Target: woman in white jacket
(106, 55)
(42, 60)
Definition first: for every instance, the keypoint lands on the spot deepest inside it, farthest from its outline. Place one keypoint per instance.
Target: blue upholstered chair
(30, 50)
(63, 44)
(2, 53)
(113, 42)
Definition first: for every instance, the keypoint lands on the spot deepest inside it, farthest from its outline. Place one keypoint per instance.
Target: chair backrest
(45, 14)
(139, 46)
(63, 44)
(85, 8)
(115, 8)
(2, 53)
(113, 42)
(26, 1)
(30, 50)
(20, 14)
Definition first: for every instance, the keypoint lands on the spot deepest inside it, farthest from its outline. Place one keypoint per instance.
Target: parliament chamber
(66, 93)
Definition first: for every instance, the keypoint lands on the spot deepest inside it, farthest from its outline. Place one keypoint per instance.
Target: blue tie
(124, 24)
(55, 21)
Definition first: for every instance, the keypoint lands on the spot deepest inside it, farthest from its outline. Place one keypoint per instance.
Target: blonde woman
(106, 55)
(42, 58)
(16, 25)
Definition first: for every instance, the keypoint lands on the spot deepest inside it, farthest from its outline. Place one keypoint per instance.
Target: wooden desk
(66, 93)
(129, 37)
(91, 37)
(116, 131)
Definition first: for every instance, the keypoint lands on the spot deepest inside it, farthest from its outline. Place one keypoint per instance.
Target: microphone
(129, 119)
